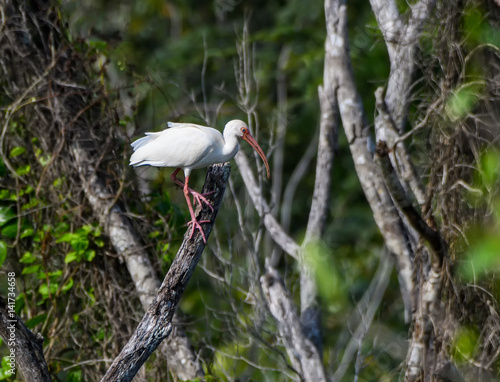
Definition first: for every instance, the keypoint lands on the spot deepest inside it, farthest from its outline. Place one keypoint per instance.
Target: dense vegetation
(142, 63)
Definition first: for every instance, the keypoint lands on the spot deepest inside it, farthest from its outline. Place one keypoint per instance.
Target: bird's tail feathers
(144, 140)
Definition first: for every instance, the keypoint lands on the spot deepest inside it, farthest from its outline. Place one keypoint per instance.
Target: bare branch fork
(157, 322)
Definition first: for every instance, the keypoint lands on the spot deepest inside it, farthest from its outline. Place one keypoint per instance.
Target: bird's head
(240, 129)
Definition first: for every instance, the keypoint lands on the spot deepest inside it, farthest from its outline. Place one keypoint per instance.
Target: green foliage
(5, 368)
(484, 244)
(3, 252)
(464, 100)
(465, 344)
(479, 30)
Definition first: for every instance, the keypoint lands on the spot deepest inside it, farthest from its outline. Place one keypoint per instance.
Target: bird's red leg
(197, 197)
(194, 222)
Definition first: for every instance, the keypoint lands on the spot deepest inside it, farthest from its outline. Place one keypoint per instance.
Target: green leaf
(23, 170)
(44, 289)
(89, 255)
(10, 231)
(463, 101)
(75, 376)
(56, 274)
(27, 258)
(68, 285)
(17, 151)
(31, 269)
(490, 165)
(3, 252)
(44, 160)
(32, 322)
(67, 237)
(6, 214)
(483, 259)
(72, 256)
(27, 233)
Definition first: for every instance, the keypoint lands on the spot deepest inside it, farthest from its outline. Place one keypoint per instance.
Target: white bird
(188, 146)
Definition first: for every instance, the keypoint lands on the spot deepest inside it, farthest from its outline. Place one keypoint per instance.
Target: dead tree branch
(302, 352)
(277, 233)
(399, 196)
(182, 361)
(27, 349)
(360, 143)
(157, 322)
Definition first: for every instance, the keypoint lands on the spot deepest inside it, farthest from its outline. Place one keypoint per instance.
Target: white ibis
(188, 146)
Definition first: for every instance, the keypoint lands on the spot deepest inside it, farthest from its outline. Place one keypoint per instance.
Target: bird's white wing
(184, 125)
(179, 146)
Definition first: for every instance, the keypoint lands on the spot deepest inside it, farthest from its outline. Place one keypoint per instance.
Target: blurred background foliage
(176, 60)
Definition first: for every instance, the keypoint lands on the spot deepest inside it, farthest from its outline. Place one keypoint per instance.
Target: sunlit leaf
(23, 170)
(6, 214)
(72, 256)
(3, 252)
(30, 269)
(17, 151)
(463, 101)
(465, 344)
(27, 258)
(68, 285)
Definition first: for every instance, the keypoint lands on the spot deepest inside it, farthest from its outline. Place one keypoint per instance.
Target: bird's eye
(244, 130)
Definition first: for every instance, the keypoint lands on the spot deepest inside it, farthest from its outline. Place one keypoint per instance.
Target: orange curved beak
(251, 140)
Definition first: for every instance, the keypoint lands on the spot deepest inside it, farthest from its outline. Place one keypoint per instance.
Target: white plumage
(188, 146)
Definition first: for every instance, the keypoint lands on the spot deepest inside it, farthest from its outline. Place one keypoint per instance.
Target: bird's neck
(231, 147)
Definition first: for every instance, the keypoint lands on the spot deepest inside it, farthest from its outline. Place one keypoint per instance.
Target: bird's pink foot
(199, 198)
(196, 225)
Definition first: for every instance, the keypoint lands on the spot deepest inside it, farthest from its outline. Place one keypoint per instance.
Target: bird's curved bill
(251, 140)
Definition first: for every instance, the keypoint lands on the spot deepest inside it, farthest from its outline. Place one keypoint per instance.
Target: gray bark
(27, 348)
(156, 324)
(310, 313)
(303, 354)
(279, 236)
(361, 145)
(182, 361)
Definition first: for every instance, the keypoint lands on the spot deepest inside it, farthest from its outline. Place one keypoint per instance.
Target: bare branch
(326, 149)
(275, 230)
(182, 361)
(400, 158)
(156, 324)
(367, 307)
(360, 143)
(399, 197)
(302, 352)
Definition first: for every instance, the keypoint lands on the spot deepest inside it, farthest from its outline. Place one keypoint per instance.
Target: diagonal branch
(275, 230)
(26, 348)
(156, 324)
(182, 361)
